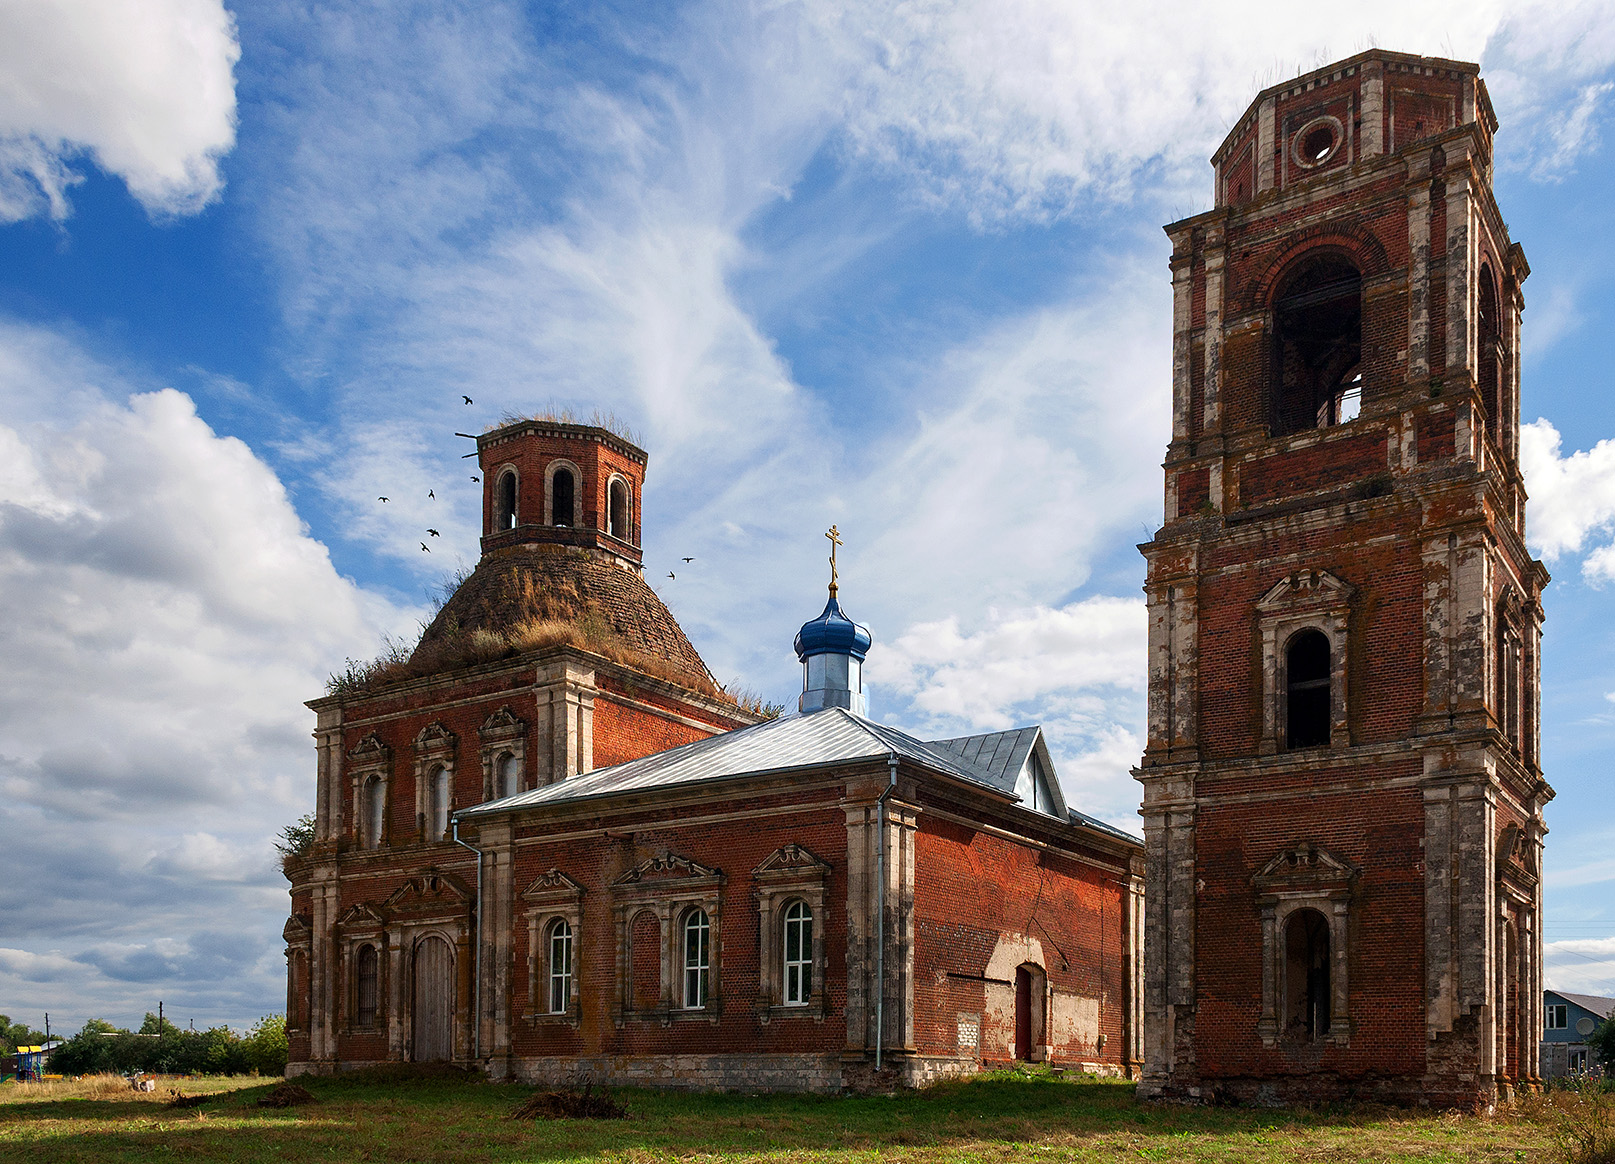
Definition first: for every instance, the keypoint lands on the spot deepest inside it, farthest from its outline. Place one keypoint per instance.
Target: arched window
(798, 954)
(560, 960)
(510, 776)
(1508, 676)
(507, 500)
(373, 810)
(617, 510)
(1306, 689)
(562, 491)
(1489, 372)
(1317, 346)
(437, 820)
(697, 958)
(365, 965)
(1306, 975)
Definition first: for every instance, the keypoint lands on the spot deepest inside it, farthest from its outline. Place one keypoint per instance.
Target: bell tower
(1342, 792)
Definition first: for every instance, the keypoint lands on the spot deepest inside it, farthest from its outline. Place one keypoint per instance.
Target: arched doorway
(433, 1012)
(1028, 1011)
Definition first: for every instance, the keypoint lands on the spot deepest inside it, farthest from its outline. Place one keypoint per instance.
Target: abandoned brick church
(1342, 795)
(551, 846)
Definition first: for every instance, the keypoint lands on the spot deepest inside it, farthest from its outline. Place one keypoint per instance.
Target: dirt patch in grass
(571, 1104)
(287, 1095)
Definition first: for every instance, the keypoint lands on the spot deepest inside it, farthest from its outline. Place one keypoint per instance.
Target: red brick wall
(974, 888)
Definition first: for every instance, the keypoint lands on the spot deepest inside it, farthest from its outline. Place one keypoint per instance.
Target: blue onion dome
(832, 633)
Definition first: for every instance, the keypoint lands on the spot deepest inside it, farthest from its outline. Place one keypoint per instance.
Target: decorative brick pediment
(430, 895)
(553, 888)
(298, 930)
(1305, 869)
(1307, 590)
(502, 725)
(370, 752)
(363, 916)
(789, 859)
(1516, 863)
(668, 869)
(434, 737)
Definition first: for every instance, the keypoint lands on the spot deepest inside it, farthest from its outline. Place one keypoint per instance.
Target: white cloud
(1021, 107)
(1580, 965)
(1572, 497)
(152, 733)
(145, 87)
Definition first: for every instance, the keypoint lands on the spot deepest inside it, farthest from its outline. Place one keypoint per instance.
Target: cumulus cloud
(152, 734)
(1572, 498)
(144, 87)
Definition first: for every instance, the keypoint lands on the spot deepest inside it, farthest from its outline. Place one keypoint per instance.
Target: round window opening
(1317, 145)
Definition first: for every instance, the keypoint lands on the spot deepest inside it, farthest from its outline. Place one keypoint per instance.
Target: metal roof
(1001, 755)
(832, 736)
(1592, 1002)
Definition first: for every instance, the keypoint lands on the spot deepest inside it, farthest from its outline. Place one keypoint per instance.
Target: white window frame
(551, 898)
(798, 924)
(697, 963)
(1559, 1010)
(559, 940)
(789, 874)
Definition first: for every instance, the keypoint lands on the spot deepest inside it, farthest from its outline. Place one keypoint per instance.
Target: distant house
(1567, 1020)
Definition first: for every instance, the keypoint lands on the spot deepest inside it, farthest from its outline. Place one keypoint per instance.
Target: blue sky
(893, 266)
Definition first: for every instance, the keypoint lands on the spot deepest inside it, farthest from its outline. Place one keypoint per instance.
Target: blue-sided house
(1567, 1020)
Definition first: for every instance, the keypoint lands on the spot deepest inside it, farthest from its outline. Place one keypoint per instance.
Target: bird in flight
(434, 533)
(381, 499)
(670, 573)
(424, 547)
(477, 479)
(467, 399)
(689, 559)
(432, 495)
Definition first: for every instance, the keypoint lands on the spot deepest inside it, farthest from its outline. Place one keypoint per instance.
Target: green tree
(265, 1045)
(155, 1026)
(296, 837)
(14, 1035)
(1602, 1044)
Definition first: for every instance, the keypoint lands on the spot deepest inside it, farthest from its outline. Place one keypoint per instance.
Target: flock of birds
(432, 495)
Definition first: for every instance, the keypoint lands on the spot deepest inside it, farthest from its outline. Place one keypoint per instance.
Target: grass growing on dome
(563, 414)
(400, 663)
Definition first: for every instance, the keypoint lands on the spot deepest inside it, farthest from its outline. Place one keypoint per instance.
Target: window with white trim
(1557, 1017)
(697, 958)
(798, 954)
(438, 820)
(560, 962)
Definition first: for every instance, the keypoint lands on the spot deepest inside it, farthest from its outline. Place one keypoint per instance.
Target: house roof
(1604, 1007)
(832, 736)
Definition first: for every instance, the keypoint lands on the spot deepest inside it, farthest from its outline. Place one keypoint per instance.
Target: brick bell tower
(1342, 792)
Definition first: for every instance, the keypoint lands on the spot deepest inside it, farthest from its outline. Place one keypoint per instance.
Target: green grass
(1025, 1119)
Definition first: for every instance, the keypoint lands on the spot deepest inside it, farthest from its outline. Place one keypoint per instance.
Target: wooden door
(433, 1014)
(1023, 1013)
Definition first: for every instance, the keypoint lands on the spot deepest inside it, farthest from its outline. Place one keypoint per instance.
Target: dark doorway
(1023, 1014)
(1306, 975)
(434, 1001)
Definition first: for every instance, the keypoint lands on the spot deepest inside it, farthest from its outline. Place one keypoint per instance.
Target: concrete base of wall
(1325, 1087)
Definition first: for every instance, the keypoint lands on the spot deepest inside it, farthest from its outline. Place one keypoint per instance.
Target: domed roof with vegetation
(530, 597)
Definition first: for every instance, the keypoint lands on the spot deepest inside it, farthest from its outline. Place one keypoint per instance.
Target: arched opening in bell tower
(562, 491)
(1318, 346)
(507, 500)
(1490, 371)
(1306, 975)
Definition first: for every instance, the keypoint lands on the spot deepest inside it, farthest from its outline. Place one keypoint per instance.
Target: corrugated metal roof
(1001, 755)
(1592, 1002)
(831, 736)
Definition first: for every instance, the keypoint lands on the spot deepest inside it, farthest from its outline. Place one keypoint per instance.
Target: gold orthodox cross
(835, 540)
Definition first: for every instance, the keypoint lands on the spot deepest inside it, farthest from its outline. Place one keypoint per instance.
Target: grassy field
(1005, 1118)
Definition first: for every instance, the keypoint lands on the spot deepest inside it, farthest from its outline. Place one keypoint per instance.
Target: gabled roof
(832, 736)
(1599, 1006)
(1001, 755)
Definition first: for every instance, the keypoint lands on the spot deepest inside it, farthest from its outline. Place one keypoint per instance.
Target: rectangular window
(1578, 1062)
(1556, 1019)
(560, 967)
(697, 959)
(798, 954)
